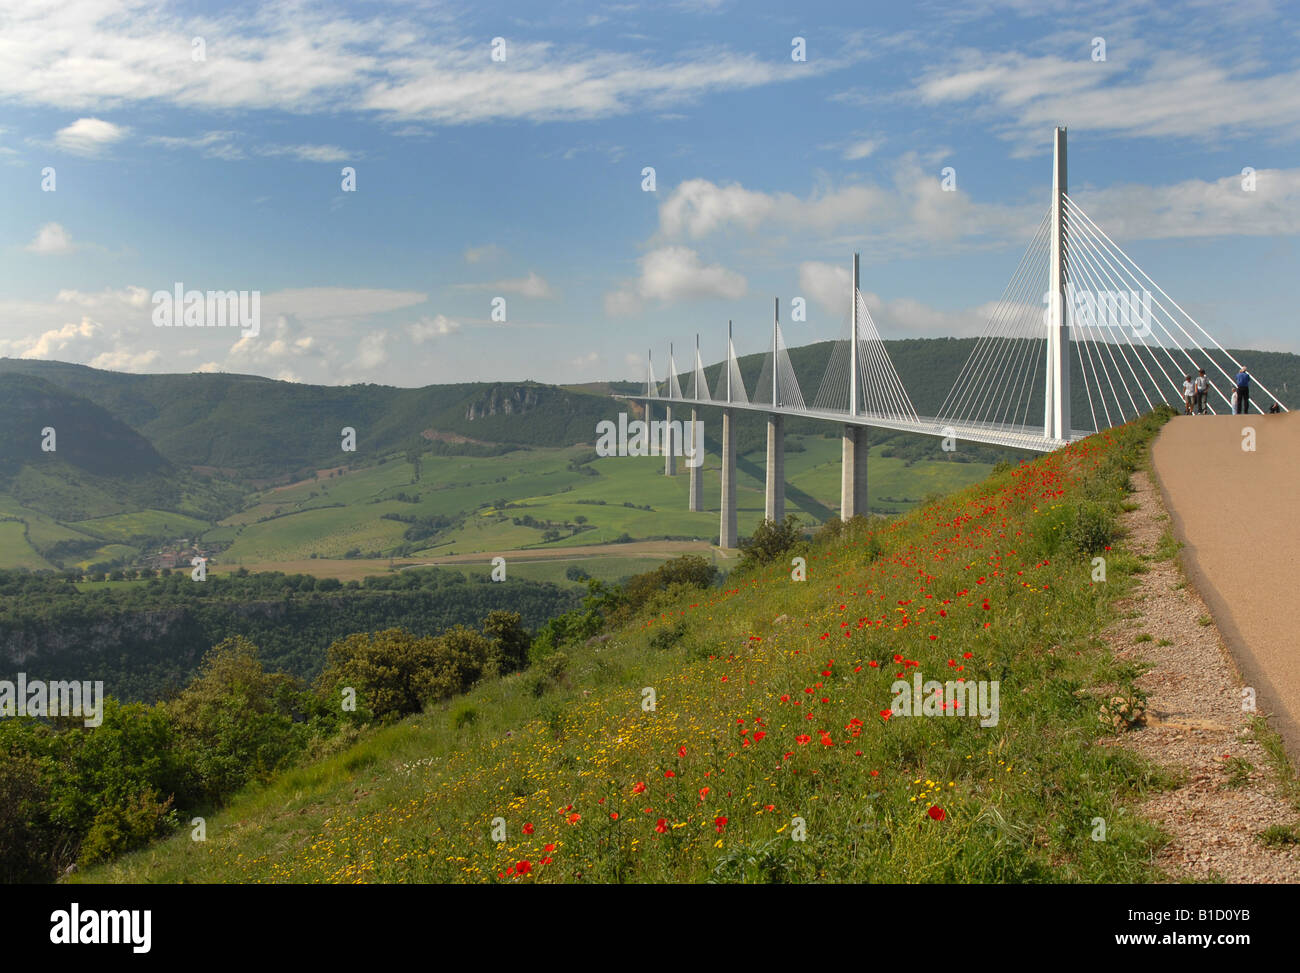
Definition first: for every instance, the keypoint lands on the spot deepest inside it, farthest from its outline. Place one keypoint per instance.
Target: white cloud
(675, 273)
(89, 136)
(428, 328)
(60, 339)
(1135, 92)
(371, 352)
(51, 240)
(489, 251)
(323, 303)
(861, 149)
(127, 297)
(125, 361)
(307, 153)
(827, 285)
(911, 216)
(1198, 208)
(415, 65)
(533, 285)
(232, 146)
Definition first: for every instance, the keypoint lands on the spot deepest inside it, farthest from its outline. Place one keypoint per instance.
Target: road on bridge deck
(1238, 514)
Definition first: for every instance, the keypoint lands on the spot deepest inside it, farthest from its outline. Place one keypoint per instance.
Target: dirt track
(1238, 514)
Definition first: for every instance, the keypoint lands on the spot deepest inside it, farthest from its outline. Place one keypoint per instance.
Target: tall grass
(740, 734)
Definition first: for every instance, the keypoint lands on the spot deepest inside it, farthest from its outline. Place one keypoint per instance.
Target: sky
(497, 155)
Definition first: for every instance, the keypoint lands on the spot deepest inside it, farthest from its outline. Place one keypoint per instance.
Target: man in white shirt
(1202, 390)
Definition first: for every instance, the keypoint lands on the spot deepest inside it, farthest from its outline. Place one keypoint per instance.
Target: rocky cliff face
(504, 400)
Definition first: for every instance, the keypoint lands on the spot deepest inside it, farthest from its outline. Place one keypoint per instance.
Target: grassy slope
(417, 801)
(542, 486)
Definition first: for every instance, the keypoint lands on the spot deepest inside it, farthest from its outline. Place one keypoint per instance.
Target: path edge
(1247, 665)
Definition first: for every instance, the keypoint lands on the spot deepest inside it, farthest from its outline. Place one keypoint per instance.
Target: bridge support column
(853, 474)
(697, 457)
(670, 456)
(774, 508)
(727, 529)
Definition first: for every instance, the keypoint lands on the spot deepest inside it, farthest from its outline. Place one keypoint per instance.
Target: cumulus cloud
(125, 361)
(51, 240)
(89, 136)
(429, 328)
(671, 274)
(828, 285)
(910, 216)
(861, 149)
(53, 342)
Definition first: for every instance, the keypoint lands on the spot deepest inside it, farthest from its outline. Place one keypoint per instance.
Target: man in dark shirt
(1243, 391)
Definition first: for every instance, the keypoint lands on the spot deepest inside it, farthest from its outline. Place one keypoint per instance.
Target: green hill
(252, 427)
(753, 732)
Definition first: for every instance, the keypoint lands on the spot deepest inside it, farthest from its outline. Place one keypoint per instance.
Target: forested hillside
(145, 639)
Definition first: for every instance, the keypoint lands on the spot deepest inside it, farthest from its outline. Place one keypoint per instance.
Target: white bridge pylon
(1078, 313)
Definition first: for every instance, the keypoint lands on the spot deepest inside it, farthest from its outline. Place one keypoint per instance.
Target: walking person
(1202, 390)
(1243, 392)
(1187, 395)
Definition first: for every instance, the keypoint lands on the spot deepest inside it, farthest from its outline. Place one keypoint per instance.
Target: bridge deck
(1016, 436)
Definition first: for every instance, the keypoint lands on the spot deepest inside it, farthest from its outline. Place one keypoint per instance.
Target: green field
(329, 517)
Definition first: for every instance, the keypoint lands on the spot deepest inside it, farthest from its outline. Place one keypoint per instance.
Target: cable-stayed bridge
(1076, 305)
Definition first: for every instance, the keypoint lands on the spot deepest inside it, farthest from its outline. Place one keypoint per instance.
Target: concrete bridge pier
(697, 453)
(727, 529)
(853, 473)
(774, 508)
(670, 455)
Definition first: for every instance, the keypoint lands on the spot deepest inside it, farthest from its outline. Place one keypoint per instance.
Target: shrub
(463, 715)
(1091, 528)
(395, 673)
(509, 638)
(24, 795)
(548, 673)
(770, 542)
(117, 829)
(235, 722)
(668, 636)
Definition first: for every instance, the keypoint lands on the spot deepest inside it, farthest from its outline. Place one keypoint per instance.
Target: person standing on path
(1202, 389)
(1187, 395)
(1243, 392)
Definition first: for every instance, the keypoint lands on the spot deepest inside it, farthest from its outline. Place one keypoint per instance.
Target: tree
(235, 721)
(511, 641)
(770, 541)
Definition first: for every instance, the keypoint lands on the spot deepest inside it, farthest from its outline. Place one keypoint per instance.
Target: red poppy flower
(575, 817)
(639, 788)
(549, 848)
(719, 824)
(661, 825)
(937, 813)
(528, 828)
(670, 773)
(523, 868)
(803, 738)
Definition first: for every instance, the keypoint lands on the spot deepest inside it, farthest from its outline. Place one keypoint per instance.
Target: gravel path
(1196, 725)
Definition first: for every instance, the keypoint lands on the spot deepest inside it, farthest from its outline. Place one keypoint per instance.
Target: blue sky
(522, 178)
